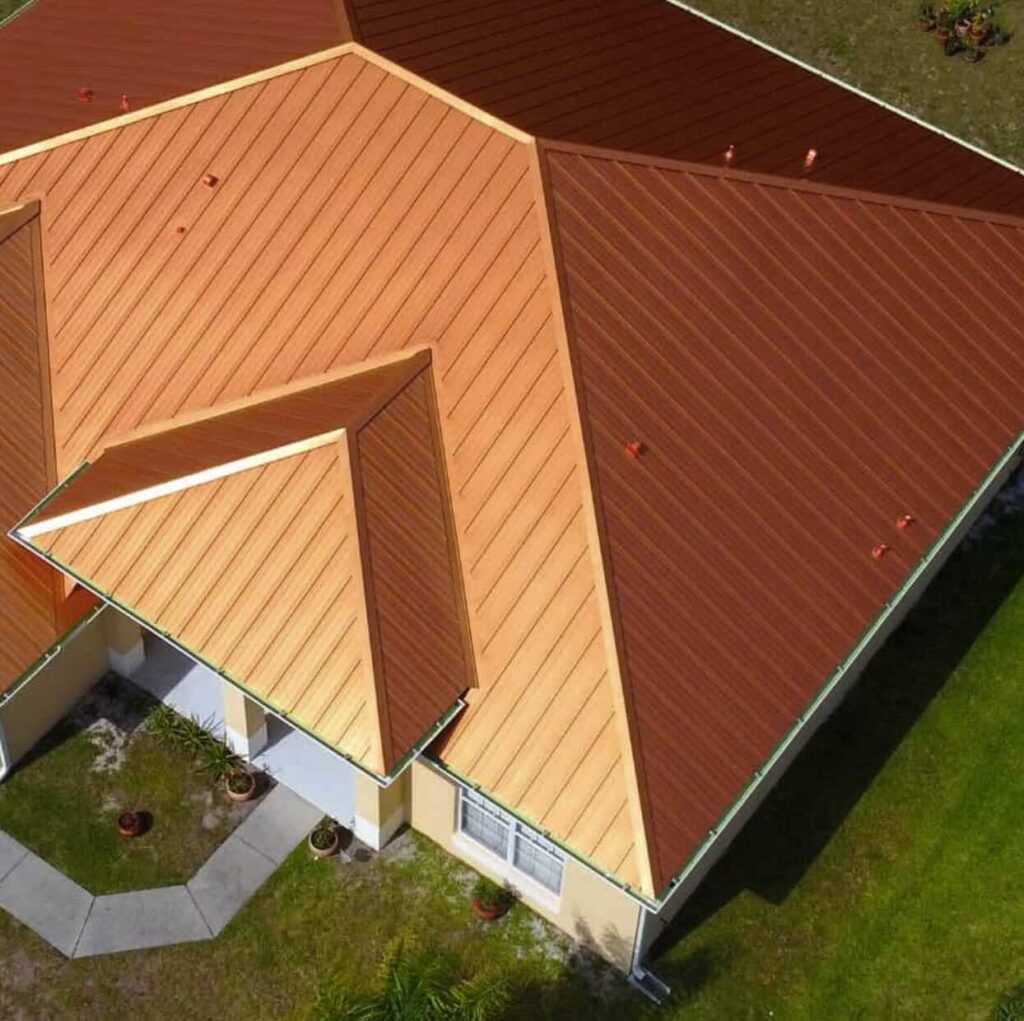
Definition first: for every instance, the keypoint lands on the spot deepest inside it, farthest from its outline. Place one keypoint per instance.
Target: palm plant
(417, 985)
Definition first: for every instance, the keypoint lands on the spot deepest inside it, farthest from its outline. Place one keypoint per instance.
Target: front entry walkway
(78, 924)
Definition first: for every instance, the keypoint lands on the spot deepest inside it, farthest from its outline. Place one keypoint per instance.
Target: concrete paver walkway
(81, 925)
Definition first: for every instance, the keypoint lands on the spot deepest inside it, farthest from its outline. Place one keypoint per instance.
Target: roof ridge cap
(809, 187)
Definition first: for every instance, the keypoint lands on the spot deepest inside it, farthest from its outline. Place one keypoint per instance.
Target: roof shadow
(798, 818)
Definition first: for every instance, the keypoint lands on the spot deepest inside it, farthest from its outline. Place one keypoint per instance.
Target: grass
(64, 808)
(879, 48)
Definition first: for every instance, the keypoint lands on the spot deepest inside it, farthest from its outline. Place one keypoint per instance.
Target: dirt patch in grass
(64, 799)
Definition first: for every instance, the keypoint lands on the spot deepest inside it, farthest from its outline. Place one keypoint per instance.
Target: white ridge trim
(221, 471)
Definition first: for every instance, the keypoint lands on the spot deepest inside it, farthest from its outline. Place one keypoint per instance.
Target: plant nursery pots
(240, 785)
(130, 824)
(323, 841)
(487, 912)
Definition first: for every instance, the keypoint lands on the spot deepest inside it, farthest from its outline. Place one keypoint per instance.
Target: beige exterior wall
(380, 811)
(592, 910)
(40, 702)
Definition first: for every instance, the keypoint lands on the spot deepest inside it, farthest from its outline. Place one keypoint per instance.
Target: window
(525, 849)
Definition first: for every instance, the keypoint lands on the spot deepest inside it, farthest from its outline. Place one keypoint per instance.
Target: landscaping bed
(64, 800)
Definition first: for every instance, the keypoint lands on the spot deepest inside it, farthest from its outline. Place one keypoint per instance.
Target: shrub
(490, 894)
(208, 752)
(1011, 1006)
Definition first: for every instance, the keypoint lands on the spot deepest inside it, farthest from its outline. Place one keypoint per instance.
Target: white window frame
(506, 860)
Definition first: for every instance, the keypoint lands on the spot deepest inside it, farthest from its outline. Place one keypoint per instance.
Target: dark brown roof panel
(647, 77)
(27, 592)
(799, 382)
(147, 50)
(414, 590)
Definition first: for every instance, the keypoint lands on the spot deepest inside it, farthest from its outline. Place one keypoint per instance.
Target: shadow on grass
(111, 697)
(796, 821)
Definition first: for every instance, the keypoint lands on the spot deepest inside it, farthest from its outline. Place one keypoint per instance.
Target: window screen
(485, 826)
(536, 860)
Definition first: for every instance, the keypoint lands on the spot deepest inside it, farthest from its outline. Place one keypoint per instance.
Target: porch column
(125, 650)
(245, 722)
(380, 810)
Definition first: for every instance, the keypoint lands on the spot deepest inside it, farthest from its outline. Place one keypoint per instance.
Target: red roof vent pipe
(880, 551)
(126, 103)
(730, 154)
(85, 95)
(209, 180)
(904, 521)
(812, 155)
(635, 448)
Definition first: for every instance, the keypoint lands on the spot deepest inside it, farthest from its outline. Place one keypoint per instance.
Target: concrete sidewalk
(78, 924)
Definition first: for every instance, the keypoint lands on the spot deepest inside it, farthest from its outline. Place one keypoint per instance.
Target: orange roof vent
(180, 229)
(880, 551)
(85, 95)
(904, 521)
(126, 104)
(812, 155)
(210, 180)
(730, 154)
(635, 448)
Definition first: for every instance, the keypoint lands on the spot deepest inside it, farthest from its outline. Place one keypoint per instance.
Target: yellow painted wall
(39, 703)
(590, 909)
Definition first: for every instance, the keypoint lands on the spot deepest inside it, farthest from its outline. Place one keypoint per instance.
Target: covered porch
(309, 768)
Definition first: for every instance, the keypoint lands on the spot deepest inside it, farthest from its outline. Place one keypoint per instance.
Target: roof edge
(636, 783)
(255, 78)
(806, 185)
(848, 86)
(1008, 461)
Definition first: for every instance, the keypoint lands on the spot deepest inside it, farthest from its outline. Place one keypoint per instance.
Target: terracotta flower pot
(488, 912)
(129, 824)
(328, 849)
(247, 787)
(942, 36)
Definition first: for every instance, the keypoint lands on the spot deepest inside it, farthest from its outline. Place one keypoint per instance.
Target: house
(522, 427)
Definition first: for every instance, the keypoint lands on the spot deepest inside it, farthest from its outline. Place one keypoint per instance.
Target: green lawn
(63, 801)
(879, 48)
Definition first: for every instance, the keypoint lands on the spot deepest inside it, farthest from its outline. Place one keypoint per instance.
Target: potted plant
(240, 784)
(129, 823)
(324, 839)
(489, 900)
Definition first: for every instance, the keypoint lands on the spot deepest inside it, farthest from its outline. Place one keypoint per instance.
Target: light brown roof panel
(376, 219)
(645, 76)
(148, 50)
(798, 385)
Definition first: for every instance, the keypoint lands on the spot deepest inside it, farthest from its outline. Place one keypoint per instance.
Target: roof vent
(635, 448)
(180, 229)
(812, 155)
(730, 154)
(85, 95)
(904, 521)
(880, 551)
(209, 180)
(126, 104)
